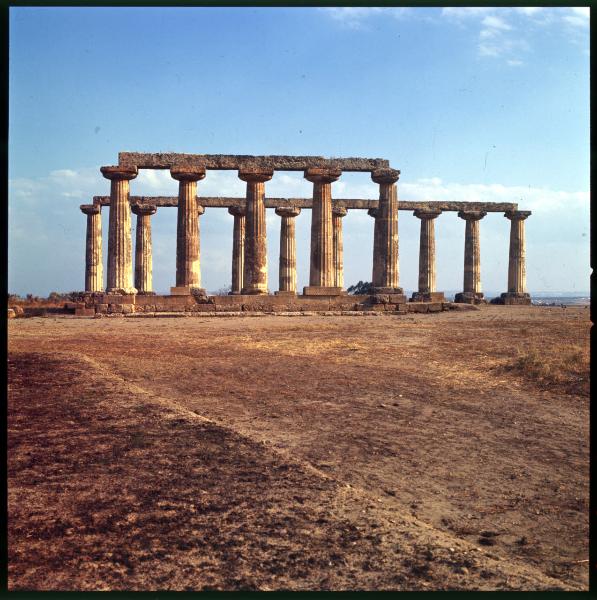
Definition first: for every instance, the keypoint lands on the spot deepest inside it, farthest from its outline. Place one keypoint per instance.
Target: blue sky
(470, 104)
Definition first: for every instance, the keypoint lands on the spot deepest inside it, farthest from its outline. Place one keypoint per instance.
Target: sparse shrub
(362, 288)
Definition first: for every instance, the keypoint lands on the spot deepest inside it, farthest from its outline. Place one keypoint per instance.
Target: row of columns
(249, 254)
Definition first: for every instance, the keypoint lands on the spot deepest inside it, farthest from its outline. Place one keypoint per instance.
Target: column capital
(318, 175)
(385, 175)
(255, 175)
(427, 213)
(119, 172)
(339, 211)
(90, 209)
(373, 212)
(237, 211)
(141, 210)
(517, 215)
(187, 173)
(200, 210)
(288, 211)
(472, 215)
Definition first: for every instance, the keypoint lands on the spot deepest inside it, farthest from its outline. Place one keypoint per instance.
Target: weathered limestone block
(188, 260)
(238, 248)
(120, 247)
(287, 266)
(255, 267)
(385, 254)
(143, 252)
(94, 274)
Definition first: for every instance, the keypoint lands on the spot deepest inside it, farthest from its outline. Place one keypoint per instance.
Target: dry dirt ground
(440, 451)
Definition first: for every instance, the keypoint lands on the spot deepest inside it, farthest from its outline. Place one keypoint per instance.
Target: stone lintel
(316, 290)
(348, 203)
(143, 209)
(234, 162)
(90, 209)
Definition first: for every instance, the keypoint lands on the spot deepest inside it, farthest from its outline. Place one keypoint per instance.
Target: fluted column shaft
(238, 249)
(287, 265)
(338, 213)
(517, 255)
(120, 246)
(143, 251)
(188, 262)
(94, 274)
(427, 250)
(472, 252)
(255, 267)
(322, 272)
(385, 245)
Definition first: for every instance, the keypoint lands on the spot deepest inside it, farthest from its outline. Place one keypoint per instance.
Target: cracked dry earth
(303, 453)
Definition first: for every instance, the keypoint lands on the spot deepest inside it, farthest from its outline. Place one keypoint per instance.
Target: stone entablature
(249, 256)
(349, 203)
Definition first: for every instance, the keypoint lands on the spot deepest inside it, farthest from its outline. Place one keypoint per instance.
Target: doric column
(338, 213)
(471, 293)
(385, 254)
(517, 293)
(238, 248)
(427, 291)
(120, 245)
(94, 273)
(373, 213)
(143, 256)
(322, 272)
(287, 270)
(188, 262)
(255, 268)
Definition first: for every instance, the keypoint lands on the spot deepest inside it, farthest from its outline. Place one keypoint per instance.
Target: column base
(387, 290)
(121, 291)
(187, 290)
(285, 293)
(470, 298)
(513, 298)
(144, 293)
(320, 290)
(427, 297)
(234, 293)
(253, 292)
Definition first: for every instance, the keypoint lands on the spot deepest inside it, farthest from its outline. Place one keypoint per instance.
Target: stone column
(374, 212)
(255, 267)
(338, 213)
(94, 271)
(143, 256)
(427, 291)
(471, 293)
(385, 246)
(322, 272)
(238, 248)
(287, 270)
(517, 293)
(188, 265)
(120, 245)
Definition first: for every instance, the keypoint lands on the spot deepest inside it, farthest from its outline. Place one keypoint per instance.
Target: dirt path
(415, 413)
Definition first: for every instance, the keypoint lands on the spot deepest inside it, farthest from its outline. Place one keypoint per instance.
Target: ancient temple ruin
(249, 269)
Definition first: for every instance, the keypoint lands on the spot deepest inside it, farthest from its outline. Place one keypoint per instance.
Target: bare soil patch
(412, 452)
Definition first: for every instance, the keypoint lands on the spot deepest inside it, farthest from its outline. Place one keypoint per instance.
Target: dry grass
(563, 366)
